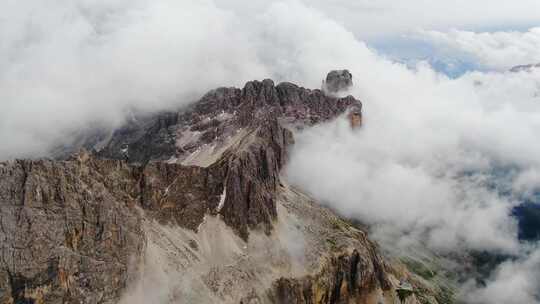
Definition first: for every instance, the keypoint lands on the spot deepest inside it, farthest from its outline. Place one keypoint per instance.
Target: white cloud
(67, 64)
(513, 282)
(527, 182)
(492, 50)
(405, 182)
(374, 20)
(409, 170)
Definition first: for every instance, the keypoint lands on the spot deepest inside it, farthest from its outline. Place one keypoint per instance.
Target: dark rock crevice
(25, 171)
(253, 178)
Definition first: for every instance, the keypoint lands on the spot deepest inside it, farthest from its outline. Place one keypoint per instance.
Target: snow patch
(202, 223)
(222, 199)
(172, 160)
(224, 116)
(187, 137)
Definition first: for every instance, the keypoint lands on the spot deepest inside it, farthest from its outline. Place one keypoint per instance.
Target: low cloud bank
(446, 159)
(513, 282)
(438, 162)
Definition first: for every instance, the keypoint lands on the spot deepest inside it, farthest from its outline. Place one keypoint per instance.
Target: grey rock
(345, 278)
(157, 137)
(65, 235)
(253, 178)
(337, 81)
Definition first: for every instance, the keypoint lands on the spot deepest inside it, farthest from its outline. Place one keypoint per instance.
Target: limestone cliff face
(252, 178)
(197, 194)
(65, 234)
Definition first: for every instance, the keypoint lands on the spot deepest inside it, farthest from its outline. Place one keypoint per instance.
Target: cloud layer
(491, 50)
(433, 157)
(68, 64)
(513, 282)
(374, 20)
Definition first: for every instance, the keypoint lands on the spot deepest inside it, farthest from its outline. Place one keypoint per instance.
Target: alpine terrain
(191, 206)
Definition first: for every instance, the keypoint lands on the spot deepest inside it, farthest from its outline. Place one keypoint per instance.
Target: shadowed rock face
(217, 115)
(260, 111)
(70, 231)
(253, 178)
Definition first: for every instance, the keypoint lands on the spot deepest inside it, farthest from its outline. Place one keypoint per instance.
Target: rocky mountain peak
(218, 116)
(190, 196)
(337, 81)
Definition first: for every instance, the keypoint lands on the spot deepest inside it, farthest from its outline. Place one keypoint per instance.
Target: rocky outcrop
(261, 112)
(179, 195)
(337, 81)
(343, 279)
(70, 229)
(253, 178)
(143, 138)
(65, 237)
(219, 115)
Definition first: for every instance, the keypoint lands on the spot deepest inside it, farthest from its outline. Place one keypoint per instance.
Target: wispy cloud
(513, 282)
(492, 50)
(67, 64)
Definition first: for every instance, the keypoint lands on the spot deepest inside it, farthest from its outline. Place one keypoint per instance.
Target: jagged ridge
(70, 228)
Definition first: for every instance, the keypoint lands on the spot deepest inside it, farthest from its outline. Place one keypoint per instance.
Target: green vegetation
(332, 242)
(439, 279)
(419, 268)
(403, 294)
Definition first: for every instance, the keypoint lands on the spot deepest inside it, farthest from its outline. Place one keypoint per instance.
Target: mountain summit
(190, 207)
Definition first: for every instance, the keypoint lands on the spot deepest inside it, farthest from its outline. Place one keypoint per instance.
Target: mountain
(190, 207)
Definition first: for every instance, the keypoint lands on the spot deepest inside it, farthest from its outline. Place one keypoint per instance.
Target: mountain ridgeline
(189, 207)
